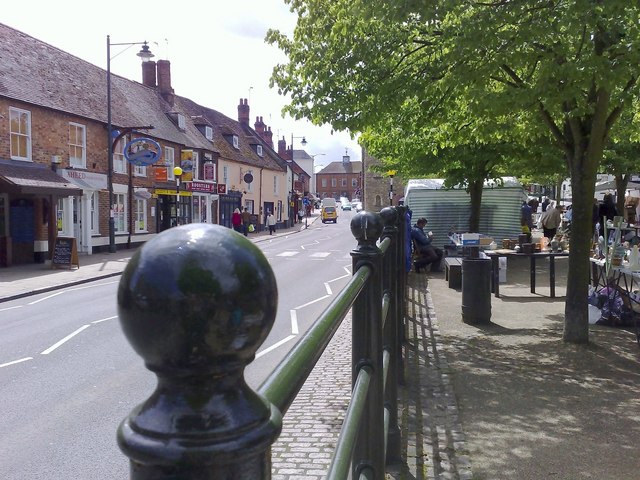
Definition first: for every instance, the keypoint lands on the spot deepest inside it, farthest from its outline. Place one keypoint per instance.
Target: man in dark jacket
(426, 253)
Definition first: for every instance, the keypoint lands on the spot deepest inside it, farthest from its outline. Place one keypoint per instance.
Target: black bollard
(476, 290)
(195, 303)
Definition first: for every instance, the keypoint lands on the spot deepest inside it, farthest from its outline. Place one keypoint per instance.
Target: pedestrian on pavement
(246, 221)
(236, 220)
(551, 220)
(526, 219)
(426, 253)
(271, 223)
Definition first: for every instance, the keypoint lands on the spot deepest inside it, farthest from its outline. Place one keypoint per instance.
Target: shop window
(77, 145)
(120, 212)
(140, 215)
(20, 128)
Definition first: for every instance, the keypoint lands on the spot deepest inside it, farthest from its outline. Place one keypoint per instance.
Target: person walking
(246, 221)
(271, 223)
(236, 220)
(551, 220)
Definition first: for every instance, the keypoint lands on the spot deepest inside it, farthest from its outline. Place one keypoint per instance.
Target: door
(77, 222)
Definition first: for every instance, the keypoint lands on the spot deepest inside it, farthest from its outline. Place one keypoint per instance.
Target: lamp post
(145, 54)
(292, 208)
(177, 172)
(391, 174)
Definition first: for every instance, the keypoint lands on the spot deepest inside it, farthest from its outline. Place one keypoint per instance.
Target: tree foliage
(451, 74)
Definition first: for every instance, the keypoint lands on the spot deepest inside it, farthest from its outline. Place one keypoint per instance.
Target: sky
(216, 49)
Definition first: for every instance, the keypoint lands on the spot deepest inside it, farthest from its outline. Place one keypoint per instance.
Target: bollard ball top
(389, 215)
(198, 296)
(366, 227)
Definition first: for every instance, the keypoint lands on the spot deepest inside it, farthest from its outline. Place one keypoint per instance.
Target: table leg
(533, 273)
(552, 275)
(495, 275)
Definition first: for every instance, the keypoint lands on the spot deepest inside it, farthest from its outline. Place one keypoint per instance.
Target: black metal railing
(197, 301)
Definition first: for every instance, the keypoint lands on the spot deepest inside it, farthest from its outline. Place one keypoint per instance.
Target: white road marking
(327, 288)
(320, 254)
(16, 361)
(294, 322)
(275, 345)
(65, 339)
(105, 319)
(287, 254)
(93, 285)
(10, 308)
(311, 302)
(46, 298)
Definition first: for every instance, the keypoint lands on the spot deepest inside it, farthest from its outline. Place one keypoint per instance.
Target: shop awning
(28, 178)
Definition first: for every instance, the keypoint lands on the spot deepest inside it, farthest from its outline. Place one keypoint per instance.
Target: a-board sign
(65, 253)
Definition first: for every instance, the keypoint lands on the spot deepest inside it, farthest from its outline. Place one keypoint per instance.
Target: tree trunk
(475, 192)
(576, 322)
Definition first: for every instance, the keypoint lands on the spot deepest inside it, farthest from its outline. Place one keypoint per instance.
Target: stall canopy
(611, 185)
(27, 178)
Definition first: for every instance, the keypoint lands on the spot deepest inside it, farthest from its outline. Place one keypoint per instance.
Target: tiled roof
(342, 168)
(37, 73)
(223, 128)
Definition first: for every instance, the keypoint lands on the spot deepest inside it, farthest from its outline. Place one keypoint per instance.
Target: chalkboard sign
(65, 253)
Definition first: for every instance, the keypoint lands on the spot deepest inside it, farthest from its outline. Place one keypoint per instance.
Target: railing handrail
(283, 383)
(203, 421)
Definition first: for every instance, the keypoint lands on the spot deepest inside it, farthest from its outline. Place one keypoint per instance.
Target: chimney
(282, 148)
(243, 112)
(268, 137)
(149, 74)
(164, 81)
(259, 126)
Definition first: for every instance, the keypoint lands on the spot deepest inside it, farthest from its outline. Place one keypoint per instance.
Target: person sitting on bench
(426, 253)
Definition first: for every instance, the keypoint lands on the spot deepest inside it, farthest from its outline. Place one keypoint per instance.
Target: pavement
(504, 400)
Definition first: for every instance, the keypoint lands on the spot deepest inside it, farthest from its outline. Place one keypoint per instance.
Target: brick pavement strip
(433, 442)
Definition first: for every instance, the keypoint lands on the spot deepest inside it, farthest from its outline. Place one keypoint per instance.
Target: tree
(567, 67)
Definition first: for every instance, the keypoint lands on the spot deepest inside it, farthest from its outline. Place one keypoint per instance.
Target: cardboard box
(470, 239)
(485, 241)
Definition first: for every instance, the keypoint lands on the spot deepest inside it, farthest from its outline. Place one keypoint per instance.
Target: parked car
(357, 206)
(346, 206)
(329, 214)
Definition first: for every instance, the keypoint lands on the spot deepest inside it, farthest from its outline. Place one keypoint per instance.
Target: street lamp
(292, 208)
(391, 174)
(145, 54)
(177, 172)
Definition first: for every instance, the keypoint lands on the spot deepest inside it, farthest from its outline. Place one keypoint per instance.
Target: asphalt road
(69, 376)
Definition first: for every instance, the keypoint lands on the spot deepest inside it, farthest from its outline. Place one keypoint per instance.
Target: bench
(453, 271)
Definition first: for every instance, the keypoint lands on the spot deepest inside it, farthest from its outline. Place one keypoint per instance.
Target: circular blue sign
(142, 152)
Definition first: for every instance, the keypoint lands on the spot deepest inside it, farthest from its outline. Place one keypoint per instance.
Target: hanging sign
(142, 152)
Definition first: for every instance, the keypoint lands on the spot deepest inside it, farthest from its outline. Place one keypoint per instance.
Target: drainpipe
(260, 198)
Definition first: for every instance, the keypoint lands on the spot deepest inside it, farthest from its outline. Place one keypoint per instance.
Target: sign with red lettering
(201, 187)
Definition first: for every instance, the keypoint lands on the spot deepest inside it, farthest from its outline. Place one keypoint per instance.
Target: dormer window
(182, 125)
(259, 150)
(236, 144)
(208, 132)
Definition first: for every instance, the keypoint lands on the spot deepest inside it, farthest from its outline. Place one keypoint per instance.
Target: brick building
(55, 175)
(340, 179)
(377, 185)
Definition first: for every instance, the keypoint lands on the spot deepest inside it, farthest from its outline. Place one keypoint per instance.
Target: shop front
(29, 194)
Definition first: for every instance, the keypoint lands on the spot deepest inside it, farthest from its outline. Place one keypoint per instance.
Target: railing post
(404, 247)
(367, 345)
(392, 263)
(195, 303)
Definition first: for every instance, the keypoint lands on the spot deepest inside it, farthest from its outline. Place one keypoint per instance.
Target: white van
(328, 202)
